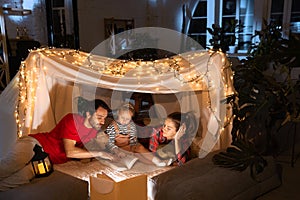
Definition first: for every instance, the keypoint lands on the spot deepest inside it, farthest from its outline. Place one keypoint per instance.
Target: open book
(121, 164)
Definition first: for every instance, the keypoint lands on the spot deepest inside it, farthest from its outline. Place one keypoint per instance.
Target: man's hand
(121, 140)
(75, 152)
(104, 155)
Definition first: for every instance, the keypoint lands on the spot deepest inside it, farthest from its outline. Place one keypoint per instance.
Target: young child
(173, 140)
(123, 125)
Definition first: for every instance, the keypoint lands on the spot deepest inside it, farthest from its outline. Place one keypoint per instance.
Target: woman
(174, 138)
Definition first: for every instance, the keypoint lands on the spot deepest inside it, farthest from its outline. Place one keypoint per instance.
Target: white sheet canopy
(49, 80)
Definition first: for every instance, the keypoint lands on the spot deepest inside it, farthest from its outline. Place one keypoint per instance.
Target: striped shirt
(116, 128)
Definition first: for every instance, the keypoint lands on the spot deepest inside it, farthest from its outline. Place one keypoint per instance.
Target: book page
(122, 164)
(128, 161)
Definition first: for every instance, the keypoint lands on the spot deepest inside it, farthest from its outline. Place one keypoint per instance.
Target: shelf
(197, 34)
(16, 11)
(205, 17)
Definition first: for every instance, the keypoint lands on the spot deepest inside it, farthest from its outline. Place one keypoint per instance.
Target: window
(207, 13)
(277, 10)
(243, 11)
(295, 17)
(287, 14)
(62, 23)
(198, 24)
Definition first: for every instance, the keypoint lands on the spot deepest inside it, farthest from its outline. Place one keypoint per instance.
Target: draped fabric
(49, 80)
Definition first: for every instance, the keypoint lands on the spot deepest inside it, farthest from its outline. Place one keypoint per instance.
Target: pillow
(19, 178)
(19, 155)
(82, 105)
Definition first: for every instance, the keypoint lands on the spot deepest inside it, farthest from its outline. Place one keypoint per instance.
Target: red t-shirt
(70, 127)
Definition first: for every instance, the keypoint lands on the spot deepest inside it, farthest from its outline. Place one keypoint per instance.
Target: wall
(91, 14)
(35, 23)
(158, 13)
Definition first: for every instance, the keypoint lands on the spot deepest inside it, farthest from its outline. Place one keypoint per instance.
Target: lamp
(41, 163)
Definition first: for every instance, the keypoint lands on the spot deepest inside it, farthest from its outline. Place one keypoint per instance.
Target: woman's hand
(180, 132)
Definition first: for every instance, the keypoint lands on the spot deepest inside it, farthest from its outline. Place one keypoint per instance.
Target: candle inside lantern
(42, 169)
(40, 162)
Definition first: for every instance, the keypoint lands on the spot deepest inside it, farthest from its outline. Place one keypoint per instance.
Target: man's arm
(75, 152)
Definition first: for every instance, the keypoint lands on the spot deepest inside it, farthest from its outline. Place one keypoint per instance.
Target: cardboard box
(103, 187)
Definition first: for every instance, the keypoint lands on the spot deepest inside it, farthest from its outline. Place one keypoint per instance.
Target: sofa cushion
(56, 186)
(23, 176)
(201, 179)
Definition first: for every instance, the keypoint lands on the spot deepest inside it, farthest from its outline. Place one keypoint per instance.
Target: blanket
(83, 170)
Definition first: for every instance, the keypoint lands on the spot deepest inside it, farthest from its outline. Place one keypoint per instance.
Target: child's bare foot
(161, 163)
(169, 162)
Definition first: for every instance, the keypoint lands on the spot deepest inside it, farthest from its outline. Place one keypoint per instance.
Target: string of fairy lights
(182, 67)
(120, 68)
(22, 82)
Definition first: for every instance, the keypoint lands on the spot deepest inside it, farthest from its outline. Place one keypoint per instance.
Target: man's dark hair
(91, 106)
(100, 103)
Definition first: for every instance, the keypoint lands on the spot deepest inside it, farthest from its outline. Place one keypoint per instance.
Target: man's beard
(94, 124)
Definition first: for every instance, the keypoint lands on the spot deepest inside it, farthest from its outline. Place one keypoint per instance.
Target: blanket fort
(49, 80)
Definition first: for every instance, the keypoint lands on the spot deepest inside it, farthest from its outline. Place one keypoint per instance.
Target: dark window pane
(58, 26)
(201, 9)
(201, 39)
(295, 17)
(229, 7)
(244, 41)
(296, 6)
(228, 22)
(58, 3)
(198, 26)
(277, 19)
(277, 6)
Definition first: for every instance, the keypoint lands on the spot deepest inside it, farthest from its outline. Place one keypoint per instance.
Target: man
(64, 142)
(67, 139)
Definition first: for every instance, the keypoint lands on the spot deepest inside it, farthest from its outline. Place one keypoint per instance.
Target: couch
(57, 186)
(201, 179)
(196, 179)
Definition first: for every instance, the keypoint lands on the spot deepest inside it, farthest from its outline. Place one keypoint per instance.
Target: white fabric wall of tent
(49, 81)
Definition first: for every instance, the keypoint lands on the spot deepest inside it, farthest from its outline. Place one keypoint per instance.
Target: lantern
(41, 163)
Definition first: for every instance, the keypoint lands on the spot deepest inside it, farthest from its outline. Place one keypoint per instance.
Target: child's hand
(121, 140)
(119, 153)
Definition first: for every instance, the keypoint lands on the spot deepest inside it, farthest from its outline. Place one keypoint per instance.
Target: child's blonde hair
(127, 107)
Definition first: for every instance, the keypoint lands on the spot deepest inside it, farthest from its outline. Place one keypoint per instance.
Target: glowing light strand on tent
(182, 70)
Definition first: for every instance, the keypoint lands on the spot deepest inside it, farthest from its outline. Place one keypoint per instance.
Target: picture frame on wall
(114, 26)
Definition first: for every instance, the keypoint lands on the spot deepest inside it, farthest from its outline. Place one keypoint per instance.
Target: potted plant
(266, 100)
(224, 37)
